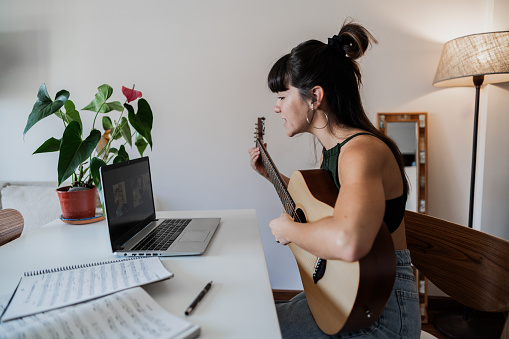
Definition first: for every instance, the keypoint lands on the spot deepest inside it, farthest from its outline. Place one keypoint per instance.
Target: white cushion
(37, 204)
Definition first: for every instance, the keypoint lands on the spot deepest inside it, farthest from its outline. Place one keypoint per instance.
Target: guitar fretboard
(288, 203)
(277, 181)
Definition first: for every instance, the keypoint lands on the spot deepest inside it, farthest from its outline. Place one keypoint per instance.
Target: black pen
(200, 296)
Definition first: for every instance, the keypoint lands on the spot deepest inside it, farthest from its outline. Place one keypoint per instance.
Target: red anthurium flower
(131, 94)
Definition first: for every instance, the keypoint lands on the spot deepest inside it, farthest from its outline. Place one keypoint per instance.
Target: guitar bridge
(319, 269)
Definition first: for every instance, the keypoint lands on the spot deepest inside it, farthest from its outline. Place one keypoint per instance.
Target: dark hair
(334, 67)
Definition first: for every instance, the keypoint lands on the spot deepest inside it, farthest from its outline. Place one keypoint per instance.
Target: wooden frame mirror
(408, 130)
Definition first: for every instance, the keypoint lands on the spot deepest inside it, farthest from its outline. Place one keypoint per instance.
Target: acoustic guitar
(342, 296)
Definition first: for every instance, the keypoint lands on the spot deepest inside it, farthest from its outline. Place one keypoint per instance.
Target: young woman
(317, 88)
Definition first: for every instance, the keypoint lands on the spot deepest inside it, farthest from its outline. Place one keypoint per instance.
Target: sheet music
(126, 314)
(4, 300)
(47, 291)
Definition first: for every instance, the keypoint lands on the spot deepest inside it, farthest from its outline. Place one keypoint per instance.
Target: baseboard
(284, 295)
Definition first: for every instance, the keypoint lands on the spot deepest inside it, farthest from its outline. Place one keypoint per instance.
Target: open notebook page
(43, 291)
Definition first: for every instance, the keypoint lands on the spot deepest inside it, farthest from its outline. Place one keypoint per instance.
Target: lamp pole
(478, 80)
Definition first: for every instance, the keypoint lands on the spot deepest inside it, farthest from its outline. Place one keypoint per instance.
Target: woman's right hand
(256, 162)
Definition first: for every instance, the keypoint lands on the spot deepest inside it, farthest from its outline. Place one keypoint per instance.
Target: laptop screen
(128, 198)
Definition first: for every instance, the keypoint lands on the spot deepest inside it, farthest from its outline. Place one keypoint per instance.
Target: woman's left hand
(279, 226)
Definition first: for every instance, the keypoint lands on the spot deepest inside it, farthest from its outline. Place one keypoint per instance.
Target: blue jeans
(401, 317)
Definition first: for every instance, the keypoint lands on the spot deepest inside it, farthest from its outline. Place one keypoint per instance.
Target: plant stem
(97, 113)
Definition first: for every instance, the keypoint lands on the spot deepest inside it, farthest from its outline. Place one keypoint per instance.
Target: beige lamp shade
(478, 54)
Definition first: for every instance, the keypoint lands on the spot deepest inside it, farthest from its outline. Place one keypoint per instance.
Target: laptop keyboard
(162, 236)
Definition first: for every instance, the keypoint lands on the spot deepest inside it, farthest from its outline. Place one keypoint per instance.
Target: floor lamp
(471, 60)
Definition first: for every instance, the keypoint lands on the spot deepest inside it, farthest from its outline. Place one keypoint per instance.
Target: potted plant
(81, 157)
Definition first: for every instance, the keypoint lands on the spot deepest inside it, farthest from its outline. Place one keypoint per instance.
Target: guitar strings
(286, 199)
(284, 195)
(277, 181)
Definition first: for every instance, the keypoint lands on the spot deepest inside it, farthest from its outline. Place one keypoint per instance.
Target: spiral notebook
(49, 289)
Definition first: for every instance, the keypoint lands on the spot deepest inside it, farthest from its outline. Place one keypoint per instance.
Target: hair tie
(338, 43)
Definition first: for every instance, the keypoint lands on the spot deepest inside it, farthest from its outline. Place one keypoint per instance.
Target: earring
(313, 109)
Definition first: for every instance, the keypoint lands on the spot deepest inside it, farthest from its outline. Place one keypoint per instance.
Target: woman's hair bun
(354, 39)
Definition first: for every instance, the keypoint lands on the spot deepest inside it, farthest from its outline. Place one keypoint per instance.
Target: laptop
(130, 214)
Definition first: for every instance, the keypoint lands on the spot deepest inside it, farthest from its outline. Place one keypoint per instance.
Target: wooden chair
(470, 266)
(11, 225)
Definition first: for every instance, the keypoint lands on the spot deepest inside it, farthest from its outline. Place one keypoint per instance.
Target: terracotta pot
(77, 204)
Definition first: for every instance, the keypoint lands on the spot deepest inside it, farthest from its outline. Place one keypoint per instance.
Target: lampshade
(478, 54)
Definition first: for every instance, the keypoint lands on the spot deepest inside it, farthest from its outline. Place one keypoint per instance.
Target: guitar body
(350, 295)
(342, 296)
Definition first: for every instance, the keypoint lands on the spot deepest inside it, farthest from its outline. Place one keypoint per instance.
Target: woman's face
(293, 110)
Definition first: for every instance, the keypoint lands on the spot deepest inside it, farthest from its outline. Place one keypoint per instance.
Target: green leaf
(63, 116)
(107, 124)
(74, 150)
(44, 106)
(122, 155)
(113, 106)
(142, 121)
(50, 145)
(72, 113)
(141, 144)
(95, 164)
(118, 159)
(99, 103)
(125, 130)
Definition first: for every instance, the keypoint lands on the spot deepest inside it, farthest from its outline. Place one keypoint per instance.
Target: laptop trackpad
(194, 236)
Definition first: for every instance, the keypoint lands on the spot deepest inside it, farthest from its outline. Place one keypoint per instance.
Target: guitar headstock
(260, 129)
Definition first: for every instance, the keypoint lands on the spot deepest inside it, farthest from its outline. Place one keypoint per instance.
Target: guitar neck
(276, 179)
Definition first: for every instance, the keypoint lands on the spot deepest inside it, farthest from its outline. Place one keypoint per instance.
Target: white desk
(239, 304)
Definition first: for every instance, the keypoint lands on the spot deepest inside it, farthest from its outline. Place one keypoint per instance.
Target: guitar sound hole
(300, 216)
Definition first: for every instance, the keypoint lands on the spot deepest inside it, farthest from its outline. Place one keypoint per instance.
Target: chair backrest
(11, 225)
(470, 266)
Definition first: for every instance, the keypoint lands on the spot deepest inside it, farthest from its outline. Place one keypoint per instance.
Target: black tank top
(394, 208)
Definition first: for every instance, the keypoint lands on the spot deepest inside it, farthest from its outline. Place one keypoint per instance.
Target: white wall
(202, 65)
(493, 191)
